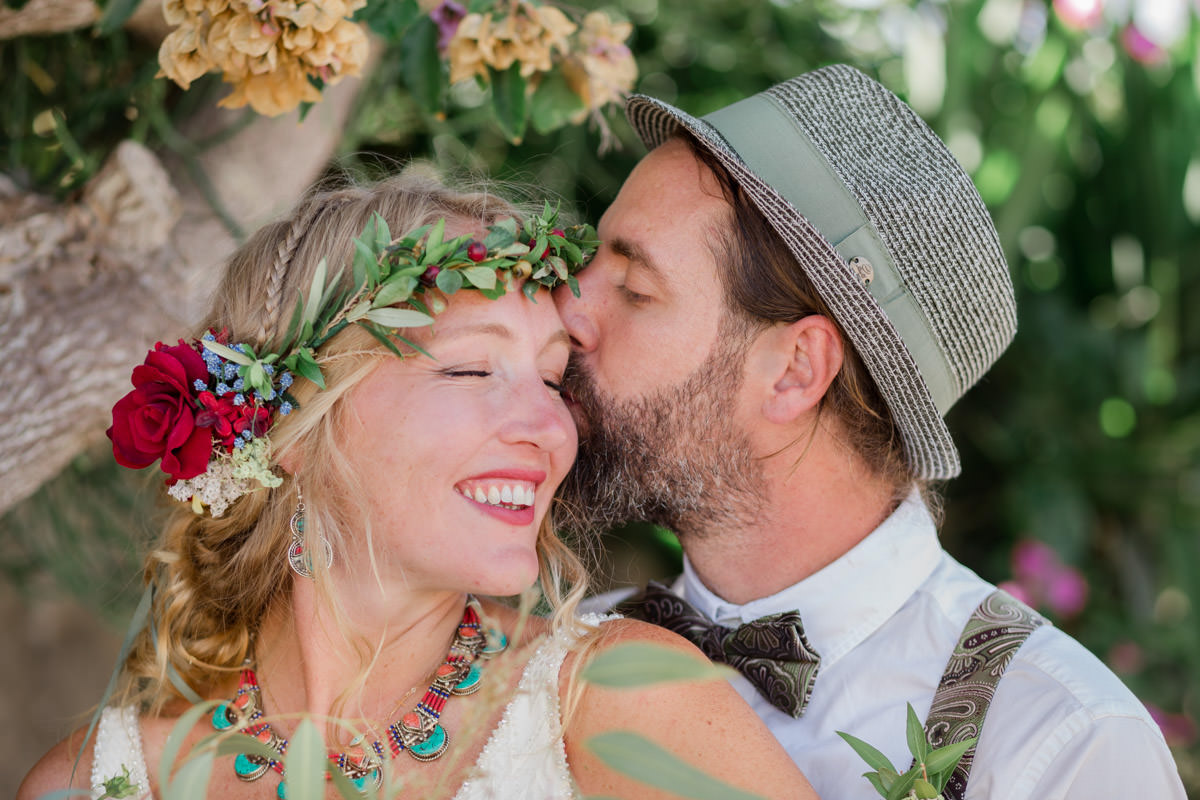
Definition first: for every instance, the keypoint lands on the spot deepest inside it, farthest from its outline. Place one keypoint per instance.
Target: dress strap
(118, 752)
(990, 639)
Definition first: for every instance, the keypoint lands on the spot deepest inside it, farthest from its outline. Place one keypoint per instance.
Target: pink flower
(1178, 729)
(1042, 580)
(1140, 48)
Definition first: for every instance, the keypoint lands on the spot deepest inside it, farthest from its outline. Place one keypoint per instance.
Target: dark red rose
(157, 419)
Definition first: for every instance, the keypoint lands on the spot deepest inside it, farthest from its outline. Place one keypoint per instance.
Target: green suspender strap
(992, 636)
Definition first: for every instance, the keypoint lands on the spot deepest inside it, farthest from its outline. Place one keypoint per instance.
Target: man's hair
(764, 284)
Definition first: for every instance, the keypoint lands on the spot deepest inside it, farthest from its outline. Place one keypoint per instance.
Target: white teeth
(507, 495)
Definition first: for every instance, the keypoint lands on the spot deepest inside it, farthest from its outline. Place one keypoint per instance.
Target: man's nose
(579, 314)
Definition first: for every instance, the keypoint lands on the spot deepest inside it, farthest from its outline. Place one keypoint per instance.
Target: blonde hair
(214, 579)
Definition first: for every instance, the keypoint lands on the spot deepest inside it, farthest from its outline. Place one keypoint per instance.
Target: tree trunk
(86, 289)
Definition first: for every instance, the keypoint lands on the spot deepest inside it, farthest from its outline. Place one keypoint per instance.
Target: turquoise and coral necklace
(418, 732)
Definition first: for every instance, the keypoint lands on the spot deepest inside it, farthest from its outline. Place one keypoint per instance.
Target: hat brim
(928, 447)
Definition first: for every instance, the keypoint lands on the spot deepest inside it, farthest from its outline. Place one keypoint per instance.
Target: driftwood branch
(87, 288)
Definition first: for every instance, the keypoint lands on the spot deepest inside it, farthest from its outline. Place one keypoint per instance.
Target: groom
(790, 294)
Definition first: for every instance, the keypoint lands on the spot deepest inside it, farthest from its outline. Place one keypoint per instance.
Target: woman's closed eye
(553, 384)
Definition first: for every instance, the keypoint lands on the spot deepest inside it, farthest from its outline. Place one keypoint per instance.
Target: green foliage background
(1085, 435)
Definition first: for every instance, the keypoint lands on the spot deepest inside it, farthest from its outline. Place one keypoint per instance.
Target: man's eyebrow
(632, 251)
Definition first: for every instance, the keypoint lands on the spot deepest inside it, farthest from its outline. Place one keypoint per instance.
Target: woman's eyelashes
(553, 384)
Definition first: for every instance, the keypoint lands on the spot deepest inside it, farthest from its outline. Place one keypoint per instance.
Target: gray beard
(673, 458)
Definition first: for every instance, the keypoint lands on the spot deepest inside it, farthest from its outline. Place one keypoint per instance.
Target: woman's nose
(539, 417)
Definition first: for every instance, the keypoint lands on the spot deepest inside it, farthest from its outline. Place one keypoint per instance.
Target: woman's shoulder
(53, 772)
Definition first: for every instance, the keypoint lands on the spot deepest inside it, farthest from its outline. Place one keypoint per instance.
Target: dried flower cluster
(276, 53)
(596, 61)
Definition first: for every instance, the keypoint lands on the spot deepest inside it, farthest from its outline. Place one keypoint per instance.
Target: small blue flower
(239, 399)
(238, 444)
(285, 408)
(247, 434)
(231, 370)
(258, 396)
(222, 388)
(270, 395)
(240, 347)
(239, 384)
(269, 369)
(208, 337)
(199, 385)
(285, 380)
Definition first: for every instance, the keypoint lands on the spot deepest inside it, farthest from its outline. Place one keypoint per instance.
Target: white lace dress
(524, 758)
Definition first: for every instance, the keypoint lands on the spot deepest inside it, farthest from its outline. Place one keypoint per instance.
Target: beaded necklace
(418, 732)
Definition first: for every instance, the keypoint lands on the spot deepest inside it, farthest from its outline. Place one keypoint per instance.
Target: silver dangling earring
(299, 561)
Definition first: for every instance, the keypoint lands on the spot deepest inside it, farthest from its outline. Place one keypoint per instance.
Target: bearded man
(790, 294)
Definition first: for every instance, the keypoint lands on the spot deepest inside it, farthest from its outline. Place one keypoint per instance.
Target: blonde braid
(283, 257)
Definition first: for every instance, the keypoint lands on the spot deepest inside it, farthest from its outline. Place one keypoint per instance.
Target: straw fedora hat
(887, 226)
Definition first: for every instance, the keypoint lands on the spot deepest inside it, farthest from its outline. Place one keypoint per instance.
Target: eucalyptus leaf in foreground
(641, 759)
(191, 780)
(306, 763)
(639, 664)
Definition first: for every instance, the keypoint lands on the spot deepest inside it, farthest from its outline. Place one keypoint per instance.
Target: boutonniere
(931, 768)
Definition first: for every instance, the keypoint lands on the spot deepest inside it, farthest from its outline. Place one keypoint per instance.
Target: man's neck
(810, 517)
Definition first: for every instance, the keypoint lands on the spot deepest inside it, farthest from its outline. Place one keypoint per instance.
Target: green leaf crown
(392, 277)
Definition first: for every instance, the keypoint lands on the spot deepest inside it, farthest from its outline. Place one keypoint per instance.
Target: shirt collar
(847, 601)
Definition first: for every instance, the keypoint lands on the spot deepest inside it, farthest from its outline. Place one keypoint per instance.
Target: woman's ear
(807, 357)
(291, 460)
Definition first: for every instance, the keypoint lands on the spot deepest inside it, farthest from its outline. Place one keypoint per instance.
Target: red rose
(157, 420)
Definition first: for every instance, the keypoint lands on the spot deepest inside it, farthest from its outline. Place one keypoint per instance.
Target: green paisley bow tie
(772, 652)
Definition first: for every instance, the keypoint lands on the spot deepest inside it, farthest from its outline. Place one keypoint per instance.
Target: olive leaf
(637, 664)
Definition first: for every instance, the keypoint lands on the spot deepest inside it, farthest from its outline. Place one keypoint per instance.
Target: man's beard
(674, 457)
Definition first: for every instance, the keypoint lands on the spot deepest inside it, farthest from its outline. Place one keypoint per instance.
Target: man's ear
(806, 357)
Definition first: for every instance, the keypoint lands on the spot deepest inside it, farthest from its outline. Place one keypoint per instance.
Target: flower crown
(204, 407)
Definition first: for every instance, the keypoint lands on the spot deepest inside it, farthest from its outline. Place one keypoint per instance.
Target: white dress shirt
(885, 618)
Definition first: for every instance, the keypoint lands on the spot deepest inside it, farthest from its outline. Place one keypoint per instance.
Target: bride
(346, 513)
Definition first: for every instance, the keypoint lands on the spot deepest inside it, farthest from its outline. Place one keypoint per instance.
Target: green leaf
(480, 277)
(573, 285)
(395, 289)
(553, 103)
(435, 245)
(315, 291)
(116, 13)
(191, 780)
(229, 745)
(366, 263)
(639, 664)
(449, 281)
(383, 234)
(399, 317)
(257, 378)
(499, 237)
(944, 759)
(643, 760)
(423, 64)
(382, 336)
(359, 310)
(869, 754)
(875, 781)
(509, 102)
(175, 739)
(389, 19)
(306, 763)
(903, 784)
(924, 789)
(306, 364)
(294, 326)
(227, 353)
(915, 732)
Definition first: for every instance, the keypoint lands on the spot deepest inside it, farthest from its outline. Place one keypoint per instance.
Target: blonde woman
(345, 514)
